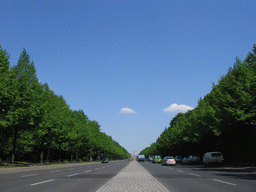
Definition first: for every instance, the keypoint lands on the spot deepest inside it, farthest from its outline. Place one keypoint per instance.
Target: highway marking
(97, 168)
(29, 175)
(42, 182)
(179, 170)
(224, 182)
(88, 171)
(195, 174)
(73, 174)
(71, 169)
(55, 171)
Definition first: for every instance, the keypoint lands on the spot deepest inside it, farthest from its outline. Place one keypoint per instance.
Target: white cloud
(127, 110)
(174, 108)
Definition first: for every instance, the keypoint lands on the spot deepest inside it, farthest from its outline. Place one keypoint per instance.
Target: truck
(141, 157)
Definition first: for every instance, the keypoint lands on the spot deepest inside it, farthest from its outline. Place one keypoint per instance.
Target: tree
(24, 113)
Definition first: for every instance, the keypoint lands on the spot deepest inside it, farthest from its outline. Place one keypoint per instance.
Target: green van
(157, 159)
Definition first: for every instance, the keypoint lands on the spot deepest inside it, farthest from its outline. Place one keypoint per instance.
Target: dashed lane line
(195, 174)
(29, 175)
(224, 182)
(73, 175)
(42, 182)
(88, 171)
(179, 170)
(96, 168)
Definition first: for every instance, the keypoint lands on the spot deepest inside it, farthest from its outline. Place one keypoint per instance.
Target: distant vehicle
(178, 159)
(104, 160)
(190, 160)
(157, 159)
(213, 158)
(169, 160)
(150, 157)
(196, 160)
(184, 160)
(141, 157)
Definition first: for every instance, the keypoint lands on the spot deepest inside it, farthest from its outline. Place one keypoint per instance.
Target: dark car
(104, 160)
(178, 159)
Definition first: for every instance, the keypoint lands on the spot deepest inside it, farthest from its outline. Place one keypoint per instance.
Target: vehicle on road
(184, 160)
(196, 160)
(150, 157)
(213, 158)
(157, 159)
(104, 160)
(169, 160)
(178, 159)
(141, 157)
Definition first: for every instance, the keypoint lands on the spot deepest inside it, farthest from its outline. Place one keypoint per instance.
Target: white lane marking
(73, 174)
(42, 182)
(97, 168)
(88, 171)
(55, 171)
(29, 175)
(71, 169)
(195, 174)
(179, 170)
(224, 182)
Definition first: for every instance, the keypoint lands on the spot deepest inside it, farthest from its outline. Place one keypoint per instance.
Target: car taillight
(175, 160)
(166, 160)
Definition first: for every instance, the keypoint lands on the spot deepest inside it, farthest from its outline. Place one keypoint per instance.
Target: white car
(213, 158)
(169, 160)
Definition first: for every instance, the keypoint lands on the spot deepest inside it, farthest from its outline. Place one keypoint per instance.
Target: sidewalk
(133, 178)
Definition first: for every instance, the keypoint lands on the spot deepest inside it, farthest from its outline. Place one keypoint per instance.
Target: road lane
(61, 179)
(198, 178)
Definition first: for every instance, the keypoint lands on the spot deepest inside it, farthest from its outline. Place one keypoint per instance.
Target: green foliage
(230, 102)
(34, 119)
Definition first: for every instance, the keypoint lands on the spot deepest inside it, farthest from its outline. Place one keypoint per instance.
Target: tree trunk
(59, 151)
(14, 144)
(41, 156)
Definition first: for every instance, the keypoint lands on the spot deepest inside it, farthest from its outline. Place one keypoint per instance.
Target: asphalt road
(85, 177)
(181, 178)
(90, 177)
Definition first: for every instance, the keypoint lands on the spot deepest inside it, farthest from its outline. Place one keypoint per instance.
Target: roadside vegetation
(224, 120)
(38, 126)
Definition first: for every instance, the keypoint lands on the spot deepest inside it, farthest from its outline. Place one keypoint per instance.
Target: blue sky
(131, 65)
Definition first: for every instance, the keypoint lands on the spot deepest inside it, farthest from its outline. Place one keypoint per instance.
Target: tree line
(224, 120)
(38, 125)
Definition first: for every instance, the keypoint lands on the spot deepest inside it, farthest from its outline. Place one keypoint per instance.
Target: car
(104, 160)
(169, 160)
(213, 158)
(184, 160)
(157, 159)
(190, 160)
(196, 160)
(178, 159)
(150, 157)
